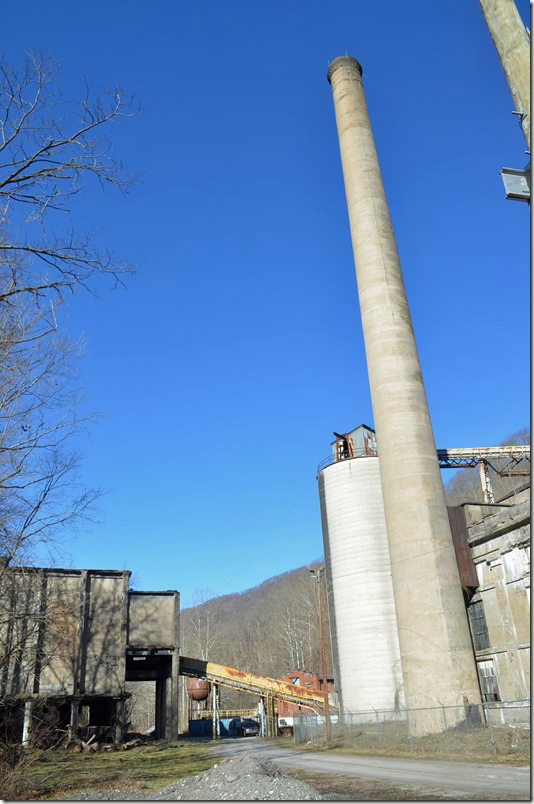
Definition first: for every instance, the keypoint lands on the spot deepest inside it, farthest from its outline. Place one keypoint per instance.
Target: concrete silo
(361, 606)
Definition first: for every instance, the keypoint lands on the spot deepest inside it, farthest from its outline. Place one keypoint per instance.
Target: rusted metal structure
(198, 688)
(69, 641)
(316, 681)
(357, 443)
(269, 690)
(251, 682)
(466, 566)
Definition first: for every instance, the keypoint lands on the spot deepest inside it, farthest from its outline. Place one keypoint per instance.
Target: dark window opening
(488, 682)
(479, 627)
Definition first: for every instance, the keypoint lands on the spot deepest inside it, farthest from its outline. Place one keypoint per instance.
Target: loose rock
(248, 778)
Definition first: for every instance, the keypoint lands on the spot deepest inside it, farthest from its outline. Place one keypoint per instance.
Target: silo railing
(330, 459)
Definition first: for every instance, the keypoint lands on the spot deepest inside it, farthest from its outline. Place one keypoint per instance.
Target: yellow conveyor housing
(252, 682)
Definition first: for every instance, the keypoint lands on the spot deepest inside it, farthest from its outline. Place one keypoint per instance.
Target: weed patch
(53, 774)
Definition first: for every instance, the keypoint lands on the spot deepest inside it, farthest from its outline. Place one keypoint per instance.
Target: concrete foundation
(437, 659)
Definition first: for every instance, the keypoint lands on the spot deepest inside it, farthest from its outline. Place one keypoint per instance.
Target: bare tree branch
(49, 146)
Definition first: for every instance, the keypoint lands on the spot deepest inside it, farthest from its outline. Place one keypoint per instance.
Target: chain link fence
(445, 731)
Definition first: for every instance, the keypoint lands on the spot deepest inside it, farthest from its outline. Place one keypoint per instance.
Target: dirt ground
(352, 788)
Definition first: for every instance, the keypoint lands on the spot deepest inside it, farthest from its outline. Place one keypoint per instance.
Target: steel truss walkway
(470, 457)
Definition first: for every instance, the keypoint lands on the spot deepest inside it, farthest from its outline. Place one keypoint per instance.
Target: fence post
(378, 729)
(488, 721)
(445, 725)
(408, 726)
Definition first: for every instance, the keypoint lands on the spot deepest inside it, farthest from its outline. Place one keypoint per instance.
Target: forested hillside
(270, 629)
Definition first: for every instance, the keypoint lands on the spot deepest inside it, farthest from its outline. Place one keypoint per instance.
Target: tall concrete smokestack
(436, 653)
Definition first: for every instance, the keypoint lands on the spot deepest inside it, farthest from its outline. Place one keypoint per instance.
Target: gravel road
(459, 777)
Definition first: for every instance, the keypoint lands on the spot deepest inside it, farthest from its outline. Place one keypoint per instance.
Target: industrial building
(491, 545)
(69, 641)
(300, 678)
(499, 544)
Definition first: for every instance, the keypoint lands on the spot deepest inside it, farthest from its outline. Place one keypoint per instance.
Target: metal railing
(202, 714)
(330, 459)
(446, 731)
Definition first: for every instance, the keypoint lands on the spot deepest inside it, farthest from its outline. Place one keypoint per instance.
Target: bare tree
(200, 635)
(39, 488)
(295, 633)
(49, 147)
(140, 707)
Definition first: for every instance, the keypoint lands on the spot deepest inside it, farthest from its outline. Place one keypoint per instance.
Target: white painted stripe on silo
(354, 529)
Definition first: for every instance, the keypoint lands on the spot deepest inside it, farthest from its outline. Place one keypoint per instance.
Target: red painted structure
(301, 678)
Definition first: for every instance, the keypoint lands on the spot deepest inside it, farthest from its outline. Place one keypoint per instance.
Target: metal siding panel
(466, 566)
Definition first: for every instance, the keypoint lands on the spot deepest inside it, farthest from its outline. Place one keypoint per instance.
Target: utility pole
(512, 42)
(216, 723)
(326, 708)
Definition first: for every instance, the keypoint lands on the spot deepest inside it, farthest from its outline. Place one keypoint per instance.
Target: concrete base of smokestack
(436, 652)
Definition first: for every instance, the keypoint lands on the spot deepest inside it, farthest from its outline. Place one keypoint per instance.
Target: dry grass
(509, 745)
(53, 774)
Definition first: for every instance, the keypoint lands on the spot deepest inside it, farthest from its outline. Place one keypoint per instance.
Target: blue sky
(236, 350)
